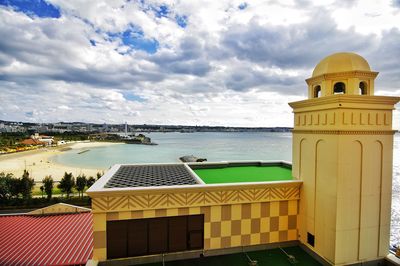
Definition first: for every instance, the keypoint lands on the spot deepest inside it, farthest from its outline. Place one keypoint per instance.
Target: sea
(215, 147)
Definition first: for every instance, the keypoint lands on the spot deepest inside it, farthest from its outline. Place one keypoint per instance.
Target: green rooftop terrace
(275, 257)
(232, 173)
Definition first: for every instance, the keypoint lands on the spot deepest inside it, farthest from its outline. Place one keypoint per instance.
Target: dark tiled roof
(150, 176)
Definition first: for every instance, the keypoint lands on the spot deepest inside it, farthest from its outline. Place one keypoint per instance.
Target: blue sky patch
(136, 40)
(38, 8)
(29, 114)
(243, 6)
(181, 21)
(92, 42)
(161, 11)
(132, 97)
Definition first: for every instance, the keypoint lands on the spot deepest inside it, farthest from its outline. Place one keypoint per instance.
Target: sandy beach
(39, 163)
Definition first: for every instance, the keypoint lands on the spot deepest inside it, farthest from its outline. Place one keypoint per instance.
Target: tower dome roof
(341, 62)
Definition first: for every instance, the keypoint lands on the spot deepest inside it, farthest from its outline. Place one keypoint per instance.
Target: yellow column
(345, 162)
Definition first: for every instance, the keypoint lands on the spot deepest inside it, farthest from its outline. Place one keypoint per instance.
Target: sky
(219, 63)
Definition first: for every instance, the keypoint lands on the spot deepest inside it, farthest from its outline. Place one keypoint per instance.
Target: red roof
(32, 142)
(46, 240)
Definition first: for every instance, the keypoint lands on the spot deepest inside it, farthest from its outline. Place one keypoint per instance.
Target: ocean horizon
(213, 146)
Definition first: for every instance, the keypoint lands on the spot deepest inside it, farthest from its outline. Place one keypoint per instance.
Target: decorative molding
(297, 120)
(194, 199)
(353, 120)
(334, 119)
(326, 120)
(345, 74)
(386, 120)
(345, 132)
(387, 102)
(317, 120)
(344, 119)
(377, 119)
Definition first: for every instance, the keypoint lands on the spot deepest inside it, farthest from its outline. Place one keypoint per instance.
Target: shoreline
(39, 164)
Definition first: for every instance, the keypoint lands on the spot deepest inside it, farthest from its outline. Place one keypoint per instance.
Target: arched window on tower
(317, 91)
(363, 88)
(339, 88)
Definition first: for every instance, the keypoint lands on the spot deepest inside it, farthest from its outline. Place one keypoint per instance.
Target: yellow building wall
(345, 163)
(254, 216)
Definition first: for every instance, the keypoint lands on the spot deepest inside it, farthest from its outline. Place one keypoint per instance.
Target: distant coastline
(39, 163)
(81, 127)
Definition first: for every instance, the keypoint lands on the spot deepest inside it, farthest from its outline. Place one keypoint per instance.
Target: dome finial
(341, 73)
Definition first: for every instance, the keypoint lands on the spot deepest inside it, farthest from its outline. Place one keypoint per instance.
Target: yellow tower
(342, 150)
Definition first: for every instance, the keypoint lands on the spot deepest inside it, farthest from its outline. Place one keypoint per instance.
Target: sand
(39, 164)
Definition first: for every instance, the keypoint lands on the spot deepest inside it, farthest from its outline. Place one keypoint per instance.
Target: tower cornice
(345, 74)
(337, 101)
(344, 112)
(345, 132)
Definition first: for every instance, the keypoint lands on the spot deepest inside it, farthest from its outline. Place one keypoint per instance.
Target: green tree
(42, 190)
(80, 184)
(26, 185)
(15, 187)
(67, 183)
(90, 181)
(48, 184)
(5, 186)
(98, 175)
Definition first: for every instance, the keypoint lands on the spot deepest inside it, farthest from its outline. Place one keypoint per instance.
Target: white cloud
(367, 16)
(64, 107)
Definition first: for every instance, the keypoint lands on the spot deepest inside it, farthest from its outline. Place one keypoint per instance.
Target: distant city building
(48, 140)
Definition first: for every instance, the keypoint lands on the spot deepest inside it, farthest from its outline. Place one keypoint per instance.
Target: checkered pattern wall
(249, 224)
(224, 225)
(232, 218)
